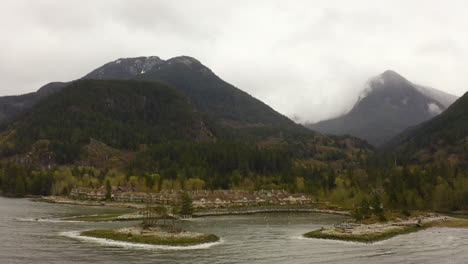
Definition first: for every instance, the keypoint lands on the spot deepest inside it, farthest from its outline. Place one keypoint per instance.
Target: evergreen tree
(108, 190)
(186, 208)
(20, 189)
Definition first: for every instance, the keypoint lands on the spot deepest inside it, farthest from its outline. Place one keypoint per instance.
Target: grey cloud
(307, 59)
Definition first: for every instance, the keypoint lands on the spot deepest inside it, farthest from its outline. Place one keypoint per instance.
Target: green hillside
(121, 114)
(441, 140)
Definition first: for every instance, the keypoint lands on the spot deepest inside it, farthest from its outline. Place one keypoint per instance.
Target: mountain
(153, 125)
(388, 105)
(123, 114)
(215, 98)
(441, 140)
(223, 112)
(230, 113)
(120, 69)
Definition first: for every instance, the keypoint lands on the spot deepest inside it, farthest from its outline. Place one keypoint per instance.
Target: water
(31, 233)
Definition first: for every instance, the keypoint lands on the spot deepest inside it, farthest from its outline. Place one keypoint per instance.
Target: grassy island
(368, 233)
(153, 236)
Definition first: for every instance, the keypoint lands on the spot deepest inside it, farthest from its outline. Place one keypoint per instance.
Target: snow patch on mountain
(150, 63)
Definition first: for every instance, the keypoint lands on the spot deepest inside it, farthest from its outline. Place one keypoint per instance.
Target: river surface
(30, 232)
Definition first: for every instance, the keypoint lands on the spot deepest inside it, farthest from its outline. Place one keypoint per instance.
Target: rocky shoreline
(267, 209)
(368, 233)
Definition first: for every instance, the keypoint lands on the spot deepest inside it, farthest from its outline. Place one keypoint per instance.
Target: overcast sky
(307, 59)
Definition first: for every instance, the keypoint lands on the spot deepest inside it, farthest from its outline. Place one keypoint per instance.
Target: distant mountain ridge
(388, 105)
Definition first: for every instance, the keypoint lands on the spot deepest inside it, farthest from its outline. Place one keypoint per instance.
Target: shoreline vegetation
(373, 232)
(153, 236)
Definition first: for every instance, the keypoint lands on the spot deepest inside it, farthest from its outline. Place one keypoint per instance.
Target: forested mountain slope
(441, 140)
(121, 113)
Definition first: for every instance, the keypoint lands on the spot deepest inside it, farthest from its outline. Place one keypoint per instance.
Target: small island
(158, 228)
(369, 232)
(153, 236)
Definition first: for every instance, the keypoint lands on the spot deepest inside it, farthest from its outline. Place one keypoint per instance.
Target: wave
(130, 245)
(337, 241)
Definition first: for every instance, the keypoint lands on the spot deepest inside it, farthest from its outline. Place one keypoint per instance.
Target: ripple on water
(48, 220)
(129, 245)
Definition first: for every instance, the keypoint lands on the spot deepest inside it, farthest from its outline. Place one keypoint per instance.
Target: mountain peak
(184, 59)
(388, 104)
(392, 76)
(128, 68)
(125, 68)
(188, 63)
(388, 80)
(390, 73)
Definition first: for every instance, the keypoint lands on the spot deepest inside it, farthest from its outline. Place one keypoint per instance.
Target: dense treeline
(188, 165)
(191, 166)
(422, 187)
(231, 165)
(19, 180)
(220, 165)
